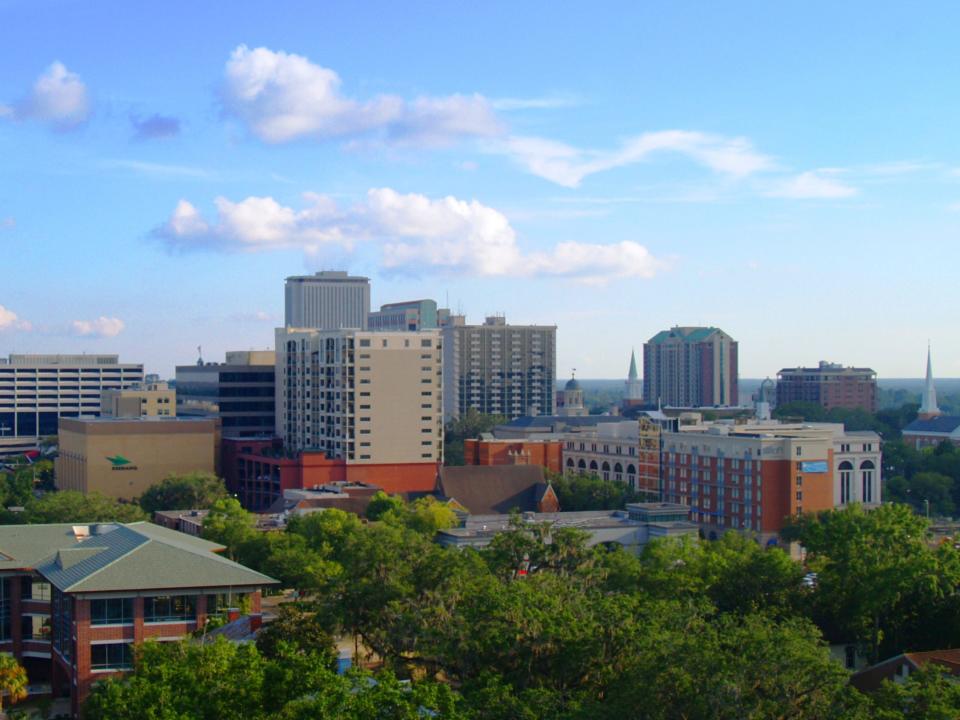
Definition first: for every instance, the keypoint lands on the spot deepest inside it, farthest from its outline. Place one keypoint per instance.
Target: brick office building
(74, 599)
(753, 477)
(830, 385)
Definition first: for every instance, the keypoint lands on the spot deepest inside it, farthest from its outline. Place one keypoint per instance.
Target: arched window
(632, 476)
(593, 465)
(618, 472)
(846, 481)
(606, 470)
(570, 465)
(582, 466)
(866, 479)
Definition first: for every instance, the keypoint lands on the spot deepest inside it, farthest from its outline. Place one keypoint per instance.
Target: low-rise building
(930, 432)
(632, 528)
(122, 457)
(259, 472)
(75, 599)
(482, 490)
(489, 450)
(154, 399)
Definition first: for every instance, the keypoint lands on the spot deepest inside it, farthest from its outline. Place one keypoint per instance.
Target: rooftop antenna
(199, 356)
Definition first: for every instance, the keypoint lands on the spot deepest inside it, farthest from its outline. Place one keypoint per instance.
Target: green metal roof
(120, 558)
(687, 334)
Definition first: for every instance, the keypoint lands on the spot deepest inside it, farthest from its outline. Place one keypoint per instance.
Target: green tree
(928, 694)
(729, 668)
(381, 504)
(299, 631)
(877, 575)
(589, 492)
(190, 491)
(229, 524)
(468, 426)
(13, 680)
(72, 506)
(424, 515)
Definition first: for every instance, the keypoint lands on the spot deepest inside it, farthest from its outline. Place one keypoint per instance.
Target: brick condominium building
(74, 599)
(830, 385)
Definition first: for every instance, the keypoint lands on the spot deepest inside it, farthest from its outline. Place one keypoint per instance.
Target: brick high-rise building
(830, 385)
(498, 369)
(690, 367)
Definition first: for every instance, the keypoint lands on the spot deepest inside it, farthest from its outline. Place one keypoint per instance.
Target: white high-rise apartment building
(328, 300)
(364, 397)
(37, 390)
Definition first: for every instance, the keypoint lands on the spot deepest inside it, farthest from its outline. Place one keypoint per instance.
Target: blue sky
(786, 171)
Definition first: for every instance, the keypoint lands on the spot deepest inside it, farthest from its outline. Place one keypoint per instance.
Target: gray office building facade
(498, 369)
(327, 300)
(37, 390)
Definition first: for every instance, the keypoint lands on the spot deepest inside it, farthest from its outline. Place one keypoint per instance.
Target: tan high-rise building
(122, 457)
(370, 399)
(156, 399)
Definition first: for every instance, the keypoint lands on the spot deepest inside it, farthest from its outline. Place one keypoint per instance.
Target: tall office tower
(239, 391)
(369, 399)
(690, 367)
(498, 369)
(410, 315)
(37, 390)
(830, 385)
(328, 300)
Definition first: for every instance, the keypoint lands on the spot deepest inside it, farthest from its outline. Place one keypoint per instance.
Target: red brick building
(74, 599)
(750, 479)
(830, 385)
(259, 470)
(545, 453)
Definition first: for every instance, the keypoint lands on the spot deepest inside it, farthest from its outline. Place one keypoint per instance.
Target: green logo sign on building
(119, 460)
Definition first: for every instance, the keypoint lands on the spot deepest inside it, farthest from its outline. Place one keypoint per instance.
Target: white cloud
(954, 207)
(283, 97)
(413, 232)
(102, 327)
(568, 166)
(813, 185)
(159, 170)
(548, 102)
(10, 321)
(7, 223)
(58, 97)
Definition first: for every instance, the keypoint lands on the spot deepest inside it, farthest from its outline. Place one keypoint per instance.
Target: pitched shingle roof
(112, 557)
(945, 424)
(493, 489)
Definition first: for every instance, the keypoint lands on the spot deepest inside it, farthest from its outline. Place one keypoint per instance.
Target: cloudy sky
(788, 172)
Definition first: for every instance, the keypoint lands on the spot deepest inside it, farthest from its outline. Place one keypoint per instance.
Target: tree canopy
(190, 491)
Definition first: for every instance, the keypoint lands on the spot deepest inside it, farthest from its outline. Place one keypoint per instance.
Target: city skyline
(743, 169)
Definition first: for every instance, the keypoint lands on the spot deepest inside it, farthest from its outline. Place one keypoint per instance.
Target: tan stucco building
(155, 399)
(122, 457)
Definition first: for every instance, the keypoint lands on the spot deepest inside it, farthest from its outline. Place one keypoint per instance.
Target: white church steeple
(928, 405)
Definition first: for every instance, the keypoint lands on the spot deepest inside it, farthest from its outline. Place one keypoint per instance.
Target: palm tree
(13, 680)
